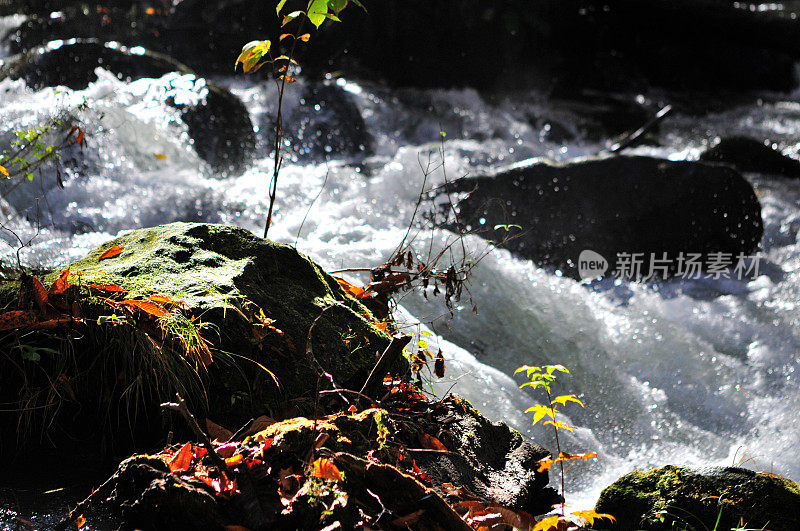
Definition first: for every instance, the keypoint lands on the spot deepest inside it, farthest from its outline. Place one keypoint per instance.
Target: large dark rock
(750, 155)
(677, 498)
(613, 205)
(219, 125)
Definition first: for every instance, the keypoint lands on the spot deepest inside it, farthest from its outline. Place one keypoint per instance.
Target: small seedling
(543, 377)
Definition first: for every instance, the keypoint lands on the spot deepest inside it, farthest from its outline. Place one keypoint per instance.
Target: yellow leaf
(540, 412)
(548, 524)
(558, 425)
(4, 171)
(591, 515)
(235, 460)
(160, 156)
(252, 52)
(566, 398)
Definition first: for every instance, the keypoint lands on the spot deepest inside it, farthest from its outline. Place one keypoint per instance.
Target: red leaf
(431, 443)
(110, 253)
(61, 283)
(17, 319)
(226, 450)
(182, 460)
(113, 288)
(148, 307)
(39, 293)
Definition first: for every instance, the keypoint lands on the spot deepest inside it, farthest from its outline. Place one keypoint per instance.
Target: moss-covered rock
(227, 277)
(683, 498)
(254, 327)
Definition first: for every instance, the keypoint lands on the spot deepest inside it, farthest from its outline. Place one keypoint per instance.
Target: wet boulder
(749, 155)
(218, 124)
(614, 207)
(706, 498)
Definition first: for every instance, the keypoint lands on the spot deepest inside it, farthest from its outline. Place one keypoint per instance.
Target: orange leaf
(324, 469)
(545, 464)
(110, 253)
(235, 528)
(107, 287)
(431, 443)
(148, 307)
(61, 283)
(352, 290)
(80, 521)
(4, 171)
(182, 460)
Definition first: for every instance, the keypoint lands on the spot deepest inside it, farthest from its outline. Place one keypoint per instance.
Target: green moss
(683, 498)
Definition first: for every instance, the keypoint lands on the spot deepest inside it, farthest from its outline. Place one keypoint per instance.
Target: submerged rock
(615, 207)
(750, 155)
(219, 124)
(703, 498)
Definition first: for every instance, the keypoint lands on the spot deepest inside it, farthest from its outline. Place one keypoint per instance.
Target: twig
(387, 359)
(632, 138)
(180, 407)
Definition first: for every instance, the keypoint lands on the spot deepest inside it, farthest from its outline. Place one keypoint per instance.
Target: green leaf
(336, 6)
(290, 17)
(359, 4)
(279, 7)
(317, 12)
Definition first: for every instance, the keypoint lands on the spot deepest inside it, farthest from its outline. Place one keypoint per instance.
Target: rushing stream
(682, 371)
